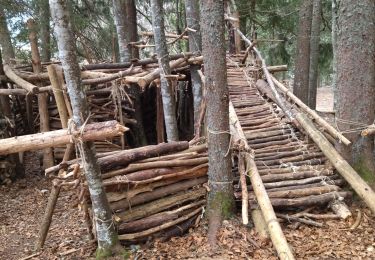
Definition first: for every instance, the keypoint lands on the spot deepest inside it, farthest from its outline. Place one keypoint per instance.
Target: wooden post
(56, 77)
(48, 159)
(350, 175)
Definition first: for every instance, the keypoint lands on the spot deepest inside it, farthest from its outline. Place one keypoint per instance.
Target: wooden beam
(91, 132)
(350, 175)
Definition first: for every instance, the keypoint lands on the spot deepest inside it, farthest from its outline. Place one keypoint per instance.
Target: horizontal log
(91, 132)
(159, 205)
(162, 227)
(135, 62)
(307, 201)
(124, 158)
(145, 197)
(156, 219)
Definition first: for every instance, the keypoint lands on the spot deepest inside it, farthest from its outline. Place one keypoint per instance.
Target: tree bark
(314, 53)
(220, 200)
(119, 15)
(131, 22)
(45, 38)
(169, 104)
(356, 81)
(302, 62)
(106, 233)
(48, 160)
(5, 40)
(195, 45)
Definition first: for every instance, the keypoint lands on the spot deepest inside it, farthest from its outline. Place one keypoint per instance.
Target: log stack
(154, 191)
(295, 172)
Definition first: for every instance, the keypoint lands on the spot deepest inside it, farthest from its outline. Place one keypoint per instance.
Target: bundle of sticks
(154, 191)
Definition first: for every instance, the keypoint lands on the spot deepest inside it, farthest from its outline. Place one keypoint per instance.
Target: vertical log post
(56, 77)
(48, 159)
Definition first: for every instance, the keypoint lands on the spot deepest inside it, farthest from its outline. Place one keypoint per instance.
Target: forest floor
(23, 203)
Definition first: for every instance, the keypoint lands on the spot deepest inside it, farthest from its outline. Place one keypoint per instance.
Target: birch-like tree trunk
(5, 40)
(195, 45)
(169, 103)
(106, 233)
(356, 81)
(314, 53)
(220, 200)
(44, 28)
(119, 15)
(302, 62)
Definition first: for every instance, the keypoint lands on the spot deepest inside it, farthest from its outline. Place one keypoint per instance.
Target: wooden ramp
(294, 171)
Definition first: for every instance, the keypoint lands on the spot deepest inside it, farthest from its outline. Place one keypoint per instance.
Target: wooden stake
(47, 218)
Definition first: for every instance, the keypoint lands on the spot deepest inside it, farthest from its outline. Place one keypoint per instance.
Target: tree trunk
(356, 81)
(119, 15)
(334, 52)
(131, 22)
(126, 25)
(195, 45)
(45, 38)
(48, 160)
(169, 104)
(302, 62)
(5, 40)
(220, 201)
(106, 233)
(314, 53)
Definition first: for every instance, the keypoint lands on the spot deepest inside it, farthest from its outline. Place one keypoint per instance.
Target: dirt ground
(23, 203)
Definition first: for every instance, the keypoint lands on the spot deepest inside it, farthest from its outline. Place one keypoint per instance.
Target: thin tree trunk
(169, 103)
(334, 51)
(356, 81)
(48, 160)
(119, 15)
(126, 26)
(195, 45)
(302, 63)
(314, 53)
(45, 38)
(106, 233)
(5, 40)
(131, 22)
(220, 201)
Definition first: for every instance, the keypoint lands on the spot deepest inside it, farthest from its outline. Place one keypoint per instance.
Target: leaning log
(91, 132)
(350, 175)
(19, 81)
(318, 119)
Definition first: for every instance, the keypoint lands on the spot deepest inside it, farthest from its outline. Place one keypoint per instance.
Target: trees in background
(220, 200)
(169, 103)
(355, 68)
(5, 39)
